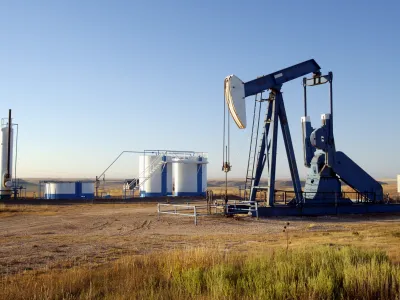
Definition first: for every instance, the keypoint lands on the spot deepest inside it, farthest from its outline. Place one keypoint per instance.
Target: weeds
(286, 232)
(311, 273)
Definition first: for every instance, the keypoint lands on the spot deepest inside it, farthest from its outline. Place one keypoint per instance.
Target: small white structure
(398, 183)
(87, 189)
(6, 185)
(130, 184)
(155, 175)
(69, 190)
(190, 176)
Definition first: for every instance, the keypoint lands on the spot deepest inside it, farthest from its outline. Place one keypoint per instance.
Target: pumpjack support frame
(326, 165)
(276, 112)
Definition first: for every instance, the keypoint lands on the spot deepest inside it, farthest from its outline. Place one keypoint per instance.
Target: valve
(226, 167)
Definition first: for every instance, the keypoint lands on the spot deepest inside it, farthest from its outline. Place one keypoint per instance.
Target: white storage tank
(190, 176)
(155, 175)
(59, 190)
(69, 190)
(398, 184)
(6, 185)
(87, 191)
(203, 172)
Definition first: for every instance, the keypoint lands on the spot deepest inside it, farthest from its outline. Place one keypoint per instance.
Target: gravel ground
(37, 237)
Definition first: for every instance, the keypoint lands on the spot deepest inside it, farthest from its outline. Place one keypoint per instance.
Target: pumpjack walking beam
(276, 110)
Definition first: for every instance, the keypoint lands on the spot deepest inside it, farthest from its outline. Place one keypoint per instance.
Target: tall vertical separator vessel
(6, 158)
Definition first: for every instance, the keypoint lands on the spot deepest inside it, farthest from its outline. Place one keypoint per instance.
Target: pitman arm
(308, 149)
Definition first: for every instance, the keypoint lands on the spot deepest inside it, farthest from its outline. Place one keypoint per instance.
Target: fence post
(195, 215)
(257, 210)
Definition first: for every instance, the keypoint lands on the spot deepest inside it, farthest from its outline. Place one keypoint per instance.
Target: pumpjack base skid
(322, 210)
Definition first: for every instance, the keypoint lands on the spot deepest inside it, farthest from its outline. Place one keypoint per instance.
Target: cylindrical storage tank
(6, 185)
(71, 190)
(155, 175)
(202, 173)
(60, 190)
(190, 176)
(398, 184)
(87, 190)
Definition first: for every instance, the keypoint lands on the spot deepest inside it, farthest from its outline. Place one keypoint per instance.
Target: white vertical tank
(69, 190)
(398, 184)
(60, 190)
(6, 190)
(155, 175)
(87, 190)
(203, 172)
(190, 176)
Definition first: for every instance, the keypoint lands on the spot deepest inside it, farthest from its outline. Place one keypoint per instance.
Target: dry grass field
(124, 251)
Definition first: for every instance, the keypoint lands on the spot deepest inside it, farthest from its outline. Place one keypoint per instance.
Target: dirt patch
(39, 237)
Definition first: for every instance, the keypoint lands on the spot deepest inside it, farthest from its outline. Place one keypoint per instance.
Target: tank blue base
(189, 194)
(68, 196)
(321, 210)
(144, 194)
(181, 194)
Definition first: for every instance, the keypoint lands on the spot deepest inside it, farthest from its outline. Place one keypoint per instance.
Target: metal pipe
(117, 159)
(256, 209)
(16, 156)
(305, 95)
(176, 151)
(97, 187)
(9, 145)
(331, 95)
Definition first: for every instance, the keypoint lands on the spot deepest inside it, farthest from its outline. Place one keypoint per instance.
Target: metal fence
(193, 211)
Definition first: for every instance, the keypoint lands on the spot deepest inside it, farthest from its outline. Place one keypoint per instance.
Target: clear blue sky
(88, 79)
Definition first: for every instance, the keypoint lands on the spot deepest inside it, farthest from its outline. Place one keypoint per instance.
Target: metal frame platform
(322, 210)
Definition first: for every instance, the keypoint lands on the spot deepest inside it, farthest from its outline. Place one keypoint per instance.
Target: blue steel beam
(276, 110)
(294, 173)
(274, 146)
(278, 78)
(262, 155)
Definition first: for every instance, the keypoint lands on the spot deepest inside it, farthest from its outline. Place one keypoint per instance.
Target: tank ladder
(150, 169)
(253, 146)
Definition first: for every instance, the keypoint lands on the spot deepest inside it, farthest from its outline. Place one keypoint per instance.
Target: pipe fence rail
(183, 210)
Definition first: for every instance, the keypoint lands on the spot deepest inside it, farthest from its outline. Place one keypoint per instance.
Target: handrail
(127, 151)
(158, 161)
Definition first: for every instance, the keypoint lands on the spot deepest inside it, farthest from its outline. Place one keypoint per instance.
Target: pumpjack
(327, 168)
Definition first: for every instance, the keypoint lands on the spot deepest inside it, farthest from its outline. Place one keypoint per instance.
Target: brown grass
(232, 245)
(309, 273)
